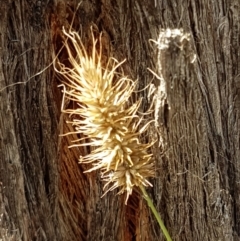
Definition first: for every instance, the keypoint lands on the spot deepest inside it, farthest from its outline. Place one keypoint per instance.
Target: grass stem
(156, 214)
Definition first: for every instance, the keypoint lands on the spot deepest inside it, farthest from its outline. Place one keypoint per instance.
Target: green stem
(156, 214)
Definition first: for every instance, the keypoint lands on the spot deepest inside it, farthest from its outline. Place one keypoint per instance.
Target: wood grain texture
(44, 194)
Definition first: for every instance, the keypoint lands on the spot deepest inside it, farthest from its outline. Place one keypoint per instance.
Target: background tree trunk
(44, 194)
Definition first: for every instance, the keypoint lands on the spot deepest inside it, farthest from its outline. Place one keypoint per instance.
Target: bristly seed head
(105, 117)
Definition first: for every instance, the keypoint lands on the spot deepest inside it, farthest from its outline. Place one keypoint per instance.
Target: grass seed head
(105, 118)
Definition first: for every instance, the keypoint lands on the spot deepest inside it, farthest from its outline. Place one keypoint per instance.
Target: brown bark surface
(44, 194)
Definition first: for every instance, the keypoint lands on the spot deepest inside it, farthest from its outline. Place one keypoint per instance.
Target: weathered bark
(44, 194)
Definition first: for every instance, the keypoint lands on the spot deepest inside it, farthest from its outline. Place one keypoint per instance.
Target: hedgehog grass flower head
(105, 118)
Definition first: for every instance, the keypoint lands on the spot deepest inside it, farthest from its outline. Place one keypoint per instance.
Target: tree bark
(44, 192)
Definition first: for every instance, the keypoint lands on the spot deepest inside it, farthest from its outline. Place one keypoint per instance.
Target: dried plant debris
(168, 42)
